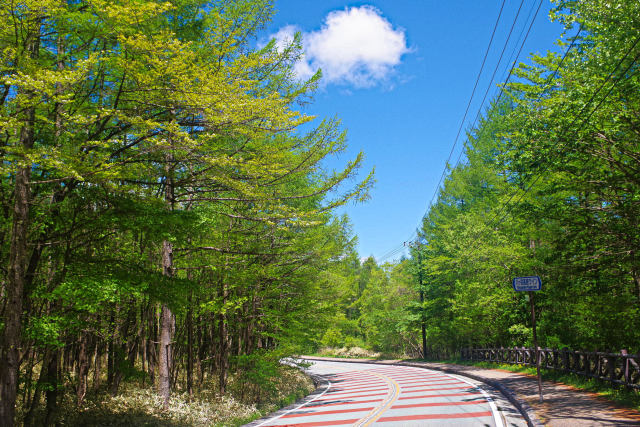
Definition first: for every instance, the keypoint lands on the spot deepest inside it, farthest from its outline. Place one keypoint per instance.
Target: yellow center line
(377, 413)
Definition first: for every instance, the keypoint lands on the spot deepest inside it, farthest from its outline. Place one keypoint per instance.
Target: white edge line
(494, 410)
(296, 408)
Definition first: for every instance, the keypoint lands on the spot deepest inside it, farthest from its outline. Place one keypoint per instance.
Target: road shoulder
(321, 387)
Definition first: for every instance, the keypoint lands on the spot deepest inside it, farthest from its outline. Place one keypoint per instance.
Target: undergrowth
(355, 353)
(139, 405)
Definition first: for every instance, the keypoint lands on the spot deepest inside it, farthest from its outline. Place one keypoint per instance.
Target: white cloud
(283, 37)
(355, 46)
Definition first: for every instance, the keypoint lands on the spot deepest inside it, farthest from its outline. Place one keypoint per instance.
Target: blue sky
(399, 74)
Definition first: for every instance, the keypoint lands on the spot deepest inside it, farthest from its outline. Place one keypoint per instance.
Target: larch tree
(128, 126)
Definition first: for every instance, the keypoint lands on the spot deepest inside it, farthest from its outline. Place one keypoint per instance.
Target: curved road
(361, 394)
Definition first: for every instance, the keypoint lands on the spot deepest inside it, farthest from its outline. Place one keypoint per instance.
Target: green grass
(622, 396)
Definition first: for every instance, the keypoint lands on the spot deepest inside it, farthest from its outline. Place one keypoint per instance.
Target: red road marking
(435, 416)
(337, 411)
(427, 385)
(353, 397)
(420, 405)
(348, 376)
(424, 381)
(424, 396)
(438, 389)
(355, 390)
(318, 423)
(406, 372)
(407, 379)
(347, 387)
(420, 375)
(352, 385)
(341, 392)
(352, 376)
(351, 402)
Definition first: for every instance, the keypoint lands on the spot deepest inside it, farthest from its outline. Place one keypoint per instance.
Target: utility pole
(422, 322)
(416, 245)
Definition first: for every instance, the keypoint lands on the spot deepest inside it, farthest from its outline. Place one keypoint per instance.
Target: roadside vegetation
(548, 185)
(136, 404)
(348, 353)
(167, 224)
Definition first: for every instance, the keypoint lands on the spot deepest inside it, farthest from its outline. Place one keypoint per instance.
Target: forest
(168, 219)
(549, 185)
(164, 220)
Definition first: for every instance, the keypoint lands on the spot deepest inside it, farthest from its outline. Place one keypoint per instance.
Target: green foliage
(332, 338)
(256, 375)
(166, 168)
(548, 187)
(371, 308)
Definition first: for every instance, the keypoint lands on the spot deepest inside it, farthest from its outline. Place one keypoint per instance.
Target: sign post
(530, 284)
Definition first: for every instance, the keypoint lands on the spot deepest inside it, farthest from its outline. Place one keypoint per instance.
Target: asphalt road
(366, 394)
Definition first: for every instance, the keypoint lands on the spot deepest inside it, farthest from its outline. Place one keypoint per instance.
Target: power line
(490, 84)
(400, 248)
(513, 51)
(561, 151)
(475, 86)
(495, 220)
(495, 70)
(546, 83)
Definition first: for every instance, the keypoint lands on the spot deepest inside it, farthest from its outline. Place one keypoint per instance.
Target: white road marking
(494, 410)
(297, 407)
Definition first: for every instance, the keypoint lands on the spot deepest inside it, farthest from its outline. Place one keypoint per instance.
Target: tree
(128, 128)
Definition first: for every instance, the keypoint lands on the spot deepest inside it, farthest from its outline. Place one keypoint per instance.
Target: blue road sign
(528, 283)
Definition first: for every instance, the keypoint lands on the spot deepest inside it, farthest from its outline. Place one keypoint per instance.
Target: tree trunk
(223, 364)
(164, 365)
(166, 333)
(124, 349)
(223, 336)
(152, 355)
(98, 365)
(200, 337)
(143, 342)
(10, 348)
(28, 418)
(111, 348)
(166, 317)
(52, 389)
(190, 346)
(82, 368)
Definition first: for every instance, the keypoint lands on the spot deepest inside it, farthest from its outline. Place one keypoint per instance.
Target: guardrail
(617, 368)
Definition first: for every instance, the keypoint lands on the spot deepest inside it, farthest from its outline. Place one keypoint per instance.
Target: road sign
(528, 283)
(531, 284)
